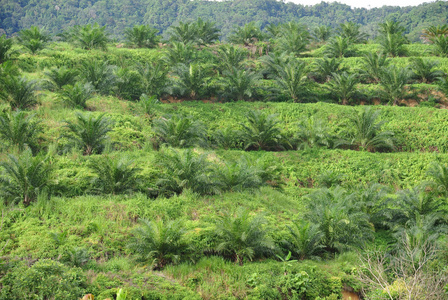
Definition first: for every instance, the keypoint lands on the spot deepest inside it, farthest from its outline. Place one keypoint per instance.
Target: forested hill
(57, 15)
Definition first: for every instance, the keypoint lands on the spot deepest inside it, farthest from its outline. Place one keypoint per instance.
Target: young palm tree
(293, 38)
(114, 175)
(154, 78)
(242, 237)
(367, 132)
(441, 45)
(187, 170)
(192, 80)
(423, 70)
(22, 178)
(129, 84)
(343, 86)
(291, 79)
(238, 84)
(20, 130)
(182, 132)
(227, 138)
(183, 33)
(313, 133)
(159, 242)
(5, 49)
(99, 74)
(350, 31)
(246, 35)
(323, 68)
(393, 81)
(337, 216)
(443, 84)
(391, 38)
(338, 47)
(90, 37)
(231, 57)
(432, 32)
(58, 77)
(142, 36)
(304, 240)
(33, 38)
(19, 92)
(261, 132)
(206, 32)
(88, 132)
(322, 33)
(76, 96)
(439, 177)
(179, 53)
(373, 65)
(239, 175)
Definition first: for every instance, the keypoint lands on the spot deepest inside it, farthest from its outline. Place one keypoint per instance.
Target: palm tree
(322, 33)
(76, 96)
(5, 48)
(291, 79)
(114, 175)
(338, 47)
(206, 31)
(439, 177)
(313, 133)
(238, 84)
(183, 33)
(247, 34)
(58, 77)
(19, 92)
(159, 242)
(231, 57)
(192, 80)
(261, 132)
(142, 36)
(154, 78)
(304, 240)
(391, 38)
(226, 138)
(187, 170)
(33, 38)
(393, 81)
(182, 132)
(432, 32)
(324, 68)
(129, 83)
(242, 237)
(100, 74)
(350, 31)
(343, 86)
(373, 65)
(239, 175)
(88, 132)
(443, 84)
(20, 130)
(179, 53)
(293, 38)
(90, 37)
(24, 177)
(423, 70)
(337, 216)
(441, 46)
(367, 132)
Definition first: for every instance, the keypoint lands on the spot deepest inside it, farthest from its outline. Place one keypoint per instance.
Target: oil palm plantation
(339, 47)
(352, 32)
(99, 74)
(373, 65)
(304, 240)
(425, 70)
(439, 177)
(239, 175)
(154, 78)
(58, 77)
(311, 133)
(33, 38)
(24, 177)
(231, 57)
(89, 132)
(248, 34)
(238, 84)
(324, 68)
(321, 33)
(393, 81)
(90, 36)
(192, 81)
(293, 38)
(343, 86)
(76, 95)
(391, 38)
(242, 237)
(19, 92)
(159, 242)
(20, 130)
(291, 80)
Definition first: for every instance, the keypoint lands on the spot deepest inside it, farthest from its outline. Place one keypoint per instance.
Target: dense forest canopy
(57, 15)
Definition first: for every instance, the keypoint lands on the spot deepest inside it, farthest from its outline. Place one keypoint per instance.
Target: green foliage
(148, 105)
(89, 133)
(242, 237)
(338, 47)
(352, 32)
(142, 36)
(238, 84)
(239, 175)
(322, 33)
(20, 130)
(19, 92)
(154, 78)
(261, 132)
(186, 170)
(311, 133)
(114, 175)
(128, 84)
(76, 95)
(292, 38)
(304, 240)
(231, 57)
(441, 46)
(45, 279)
(439, 177)
(179, 53)
(58, 77)
(182, 132)
(373, 64)
(391, 38)
(324, 68)
(393, 82)
(192, 80)
(200, 32)
(159, 242)
(423, 70)
(22, 178)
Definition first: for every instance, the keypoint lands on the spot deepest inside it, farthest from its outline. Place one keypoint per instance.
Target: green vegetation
(196, 170)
